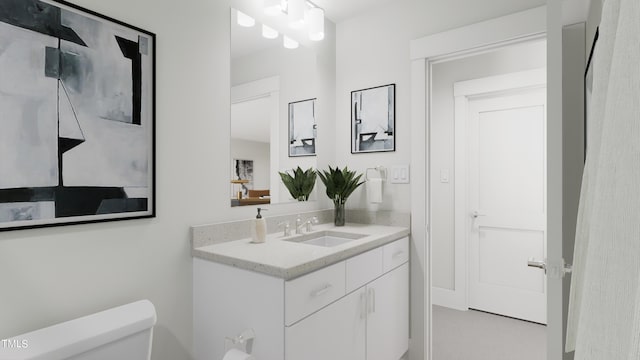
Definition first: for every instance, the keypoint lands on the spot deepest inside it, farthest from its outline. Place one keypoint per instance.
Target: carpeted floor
(475, 335)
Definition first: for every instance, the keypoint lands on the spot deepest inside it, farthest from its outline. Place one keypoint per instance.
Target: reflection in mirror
(265, 78)
(250, 151)
(302, 128)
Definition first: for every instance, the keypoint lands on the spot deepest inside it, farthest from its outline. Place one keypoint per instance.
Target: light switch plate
(400, 174)
(444, 176)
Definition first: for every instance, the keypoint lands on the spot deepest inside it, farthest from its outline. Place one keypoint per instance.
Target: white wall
(445, 75)
(56, 274)
(259, 153)
(373, 49)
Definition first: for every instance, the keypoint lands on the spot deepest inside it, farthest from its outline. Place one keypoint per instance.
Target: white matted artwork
(302, 128)
(373, 119)
(242, 170)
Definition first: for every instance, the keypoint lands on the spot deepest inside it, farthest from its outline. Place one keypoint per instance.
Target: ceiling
(248, 40)
(340, 10)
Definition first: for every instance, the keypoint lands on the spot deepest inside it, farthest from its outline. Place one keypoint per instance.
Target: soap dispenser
(259, 229)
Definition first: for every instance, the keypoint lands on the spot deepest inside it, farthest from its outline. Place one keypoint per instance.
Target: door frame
(265, 88)
(533, 24)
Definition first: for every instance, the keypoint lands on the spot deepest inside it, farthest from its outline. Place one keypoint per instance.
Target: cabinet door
(336, 332)
(388, 315)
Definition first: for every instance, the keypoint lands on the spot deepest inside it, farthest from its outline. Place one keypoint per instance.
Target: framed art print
(77, 97)
(302, 128)
(373, 119)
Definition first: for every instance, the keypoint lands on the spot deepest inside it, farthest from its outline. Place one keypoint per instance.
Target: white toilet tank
(122, 333)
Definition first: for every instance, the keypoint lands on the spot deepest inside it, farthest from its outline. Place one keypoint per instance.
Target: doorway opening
(487, 186)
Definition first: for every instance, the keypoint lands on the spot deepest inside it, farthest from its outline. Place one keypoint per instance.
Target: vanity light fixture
(269, 33)
(273, 7)
(315, 20)
(300, 13)
(289, 43)
(295, 13)
(245, 20)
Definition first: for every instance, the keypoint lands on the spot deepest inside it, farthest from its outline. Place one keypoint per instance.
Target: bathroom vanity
(332, 293)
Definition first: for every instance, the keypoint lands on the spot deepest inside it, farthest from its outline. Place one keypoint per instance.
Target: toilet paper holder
(242, 341)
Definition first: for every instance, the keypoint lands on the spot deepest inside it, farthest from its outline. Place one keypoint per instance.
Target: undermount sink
(326, 238)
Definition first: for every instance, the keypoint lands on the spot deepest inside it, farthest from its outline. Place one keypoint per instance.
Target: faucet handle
(310, 222)
(287, 228)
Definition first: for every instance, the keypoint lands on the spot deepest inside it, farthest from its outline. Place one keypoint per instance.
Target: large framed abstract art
(373, 117)
(77, 130)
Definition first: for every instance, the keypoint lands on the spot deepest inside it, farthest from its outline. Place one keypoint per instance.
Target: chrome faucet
(308, 223)
(298, 225)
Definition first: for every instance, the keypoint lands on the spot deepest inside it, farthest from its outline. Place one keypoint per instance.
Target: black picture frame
(371, 138)
(588, 86)
(91, 154)
(306, 144)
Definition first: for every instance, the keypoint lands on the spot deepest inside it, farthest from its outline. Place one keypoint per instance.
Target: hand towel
(374, 191)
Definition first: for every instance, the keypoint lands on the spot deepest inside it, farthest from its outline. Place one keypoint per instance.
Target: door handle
(554, 270)
(476, 214)
(371, 301)
(537, 264)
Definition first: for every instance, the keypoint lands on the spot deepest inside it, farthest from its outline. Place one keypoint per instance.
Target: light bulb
(315, 19)
(272, 7)
(289, 43)
(295, 11)
(245, 20)
(268, 32)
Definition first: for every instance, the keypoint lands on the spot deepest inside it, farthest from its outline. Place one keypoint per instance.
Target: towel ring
(381, 170)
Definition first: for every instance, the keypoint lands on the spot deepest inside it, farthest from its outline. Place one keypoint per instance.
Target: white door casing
(500, 192)
(545, 21)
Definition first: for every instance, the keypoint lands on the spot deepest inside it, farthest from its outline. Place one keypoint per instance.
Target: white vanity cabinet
(371, 322)
(356, 309)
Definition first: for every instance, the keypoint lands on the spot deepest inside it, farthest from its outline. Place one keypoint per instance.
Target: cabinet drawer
(395, 254)
(313, 291)
(363, 268)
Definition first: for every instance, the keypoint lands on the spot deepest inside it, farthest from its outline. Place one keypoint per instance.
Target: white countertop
(288, 259)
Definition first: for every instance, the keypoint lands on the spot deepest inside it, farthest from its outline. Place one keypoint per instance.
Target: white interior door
(507, 203)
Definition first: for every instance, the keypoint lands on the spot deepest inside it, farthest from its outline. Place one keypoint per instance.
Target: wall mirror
(302, 128)
(267, 81)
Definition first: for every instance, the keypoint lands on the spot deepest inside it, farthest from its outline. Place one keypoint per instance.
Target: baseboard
(448, 298)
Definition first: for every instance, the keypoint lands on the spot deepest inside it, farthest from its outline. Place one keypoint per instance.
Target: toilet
(122, 333)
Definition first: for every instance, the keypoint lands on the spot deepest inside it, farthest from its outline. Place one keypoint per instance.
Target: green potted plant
(300, 184)
(340, 185)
